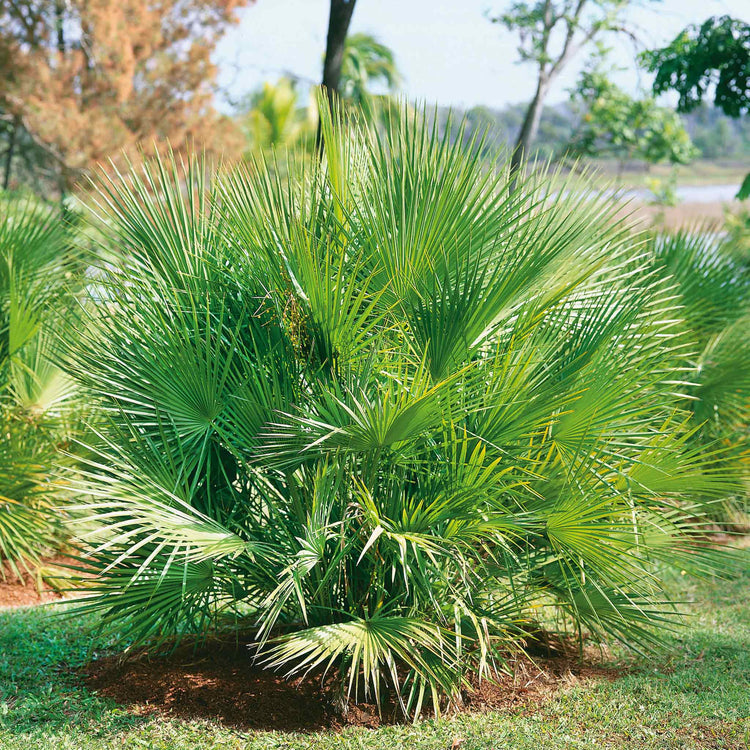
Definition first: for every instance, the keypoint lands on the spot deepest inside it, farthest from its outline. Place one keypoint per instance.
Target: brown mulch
(219, 682)
(30, 589)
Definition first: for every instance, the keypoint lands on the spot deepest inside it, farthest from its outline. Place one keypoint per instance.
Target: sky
(447, 50)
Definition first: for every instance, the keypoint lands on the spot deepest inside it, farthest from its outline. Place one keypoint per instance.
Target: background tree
(367, 62)
(715, 56)
(613, 123)
(22, 161)
(551, 33)
(84, 80)
(714, 134)
(273, 117)
(717, 135)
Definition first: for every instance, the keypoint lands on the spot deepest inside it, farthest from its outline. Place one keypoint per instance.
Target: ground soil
(677, 217)
(220, 682)
(34, 585)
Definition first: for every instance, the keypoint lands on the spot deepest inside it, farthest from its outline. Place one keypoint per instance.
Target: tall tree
(551, 33)
(85, 79)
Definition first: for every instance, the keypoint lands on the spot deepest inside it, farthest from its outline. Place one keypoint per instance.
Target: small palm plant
(39, 404)
(384, 411)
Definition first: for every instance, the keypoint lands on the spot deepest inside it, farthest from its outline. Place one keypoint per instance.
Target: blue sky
(447, 50)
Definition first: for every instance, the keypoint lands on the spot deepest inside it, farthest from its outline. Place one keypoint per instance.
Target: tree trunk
(529, 128)
(338, 27)
(59, 26)
(62, 186)
(9, 156)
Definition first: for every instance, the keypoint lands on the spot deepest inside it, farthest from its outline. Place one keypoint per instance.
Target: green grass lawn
(697, 697)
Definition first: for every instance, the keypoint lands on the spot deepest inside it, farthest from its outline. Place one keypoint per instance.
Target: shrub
(39, 405)
(386, 411)
(712, 284)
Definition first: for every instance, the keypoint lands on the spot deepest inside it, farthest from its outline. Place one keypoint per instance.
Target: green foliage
(713, 284)
(664, 191)
(386, 410)
(737, 226)
(367, 62)
(614, 123)
(578, 23)
(274, 119)
(716, 54)
(38, 402)
(744, 192)
(552, 33)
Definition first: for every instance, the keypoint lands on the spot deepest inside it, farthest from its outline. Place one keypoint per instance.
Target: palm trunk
(338, 27)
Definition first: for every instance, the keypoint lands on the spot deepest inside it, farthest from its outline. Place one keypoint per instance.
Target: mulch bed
(219, 682)
(29, 589)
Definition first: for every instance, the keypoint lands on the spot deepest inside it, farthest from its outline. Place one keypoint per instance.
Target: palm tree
(367, 63)
(386, 411)
(275, 119)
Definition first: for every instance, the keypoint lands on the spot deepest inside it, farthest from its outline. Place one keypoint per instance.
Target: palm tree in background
(276, 119)
(367, 62)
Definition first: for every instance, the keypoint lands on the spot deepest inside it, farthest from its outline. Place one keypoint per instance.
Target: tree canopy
(551, 33)
(86, 79)
(615, 123)
(715, 54)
